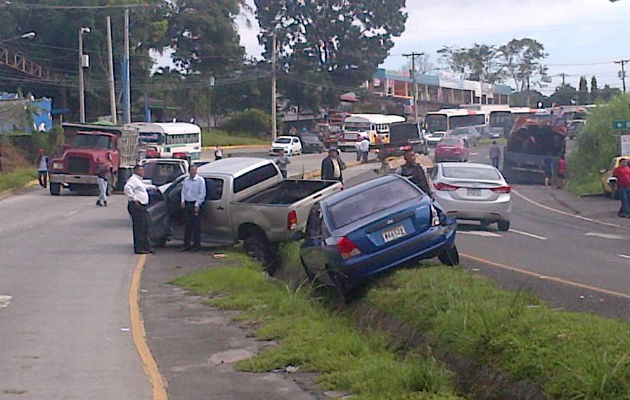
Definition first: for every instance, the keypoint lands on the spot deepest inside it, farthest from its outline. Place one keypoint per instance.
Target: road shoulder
(196, 346)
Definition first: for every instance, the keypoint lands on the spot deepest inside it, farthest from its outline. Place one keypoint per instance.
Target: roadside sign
(625, 144)
(622, 125)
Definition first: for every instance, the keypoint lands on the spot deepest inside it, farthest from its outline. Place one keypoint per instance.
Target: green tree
(583, 97)
(607, 93)
(527, 98)
(523, 62)
(338, 43)
(478, 63)
(565, 95)
(594, 90)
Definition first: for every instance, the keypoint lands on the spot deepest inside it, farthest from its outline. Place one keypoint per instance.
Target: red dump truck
(86, 147)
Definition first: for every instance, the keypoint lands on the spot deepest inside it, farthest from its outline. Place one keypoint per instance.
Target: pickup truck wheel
(258, 247)
(607, 194)
(504, 226)
(55, 189)
(450, 257)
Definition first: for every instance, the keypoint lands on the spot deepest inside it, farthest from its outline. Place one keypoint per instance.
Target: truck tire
(55, 189)
(450, 257)
(258, 247)
(504, 226)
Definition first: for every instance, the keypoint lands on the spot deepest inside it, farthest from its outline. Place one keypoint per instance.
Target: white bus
(448, 119)
(374, 126)
(170, 139)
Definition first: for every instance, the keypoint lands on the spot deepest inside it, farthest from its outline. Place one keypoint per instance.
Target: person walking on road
(357, 148)
(192, 199)
(561, 172)
(218, 153)
(495, 154)
(42, 168)
(138, 200)
(282, 161)
(547, 166)
(332, 166)
(415, 172)
(364, 146)
(103, 175)
(622, 173)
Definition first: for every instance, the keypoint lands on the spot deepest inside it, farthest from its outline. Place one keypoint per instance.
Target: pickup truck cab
(160, 171)
(246, 199)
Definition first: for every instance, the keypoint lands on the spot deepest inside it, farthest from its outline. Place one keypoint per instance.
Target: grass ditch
(218, 137)
(316, 339)
(17, 178)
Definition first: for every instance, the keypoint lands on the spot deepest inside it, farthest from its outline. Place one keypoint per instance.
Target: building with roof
(445, 90)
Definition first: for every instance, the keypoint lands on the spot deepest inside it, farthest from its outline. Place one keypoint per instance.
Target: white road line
(73, 212)
(4, 300)
(624, 256)
(479, 233)
(531, 235)
(605, 236)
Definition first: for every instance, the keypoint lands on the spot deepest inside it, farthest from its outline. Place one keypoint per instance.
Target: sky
(582, 37)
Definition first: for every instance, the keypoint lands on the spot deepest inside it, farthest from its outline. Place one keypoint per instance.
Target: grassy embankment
(218, 137)
(17, 178)
(486, 142)
(567, 355)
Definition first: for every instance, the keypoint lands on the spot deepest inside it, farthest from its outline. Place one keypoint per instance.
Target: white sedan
(472, 191)
(290, 144)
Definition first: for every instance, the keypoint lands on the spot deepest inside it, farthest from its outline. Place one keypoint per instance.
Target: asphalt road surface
(65, 272)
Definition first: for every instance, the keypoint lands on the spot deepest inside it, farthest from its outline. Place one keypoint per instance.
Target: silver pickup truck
(246, 199)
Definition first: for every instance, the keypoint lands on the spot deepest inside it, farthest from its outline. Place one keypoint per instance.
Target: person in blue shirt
(192, 199)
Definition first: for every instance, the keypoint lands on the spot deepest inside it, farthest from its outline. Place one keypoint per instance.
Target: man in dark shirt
(415, 172)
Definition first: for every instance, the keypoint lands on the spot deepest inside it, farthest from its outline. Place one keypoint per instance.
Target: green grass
(17, 178)
(585, 184)
(569, 355)
(218, 137)
(315, 339)
(486, 141)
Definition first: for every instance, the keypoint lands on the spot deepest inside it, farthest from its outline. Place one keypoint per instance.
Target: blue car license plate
(394, 233)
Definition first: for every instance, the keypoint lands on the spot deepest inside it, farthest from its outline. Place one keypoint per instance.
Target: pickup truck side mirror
(297, 236)
(602, 171)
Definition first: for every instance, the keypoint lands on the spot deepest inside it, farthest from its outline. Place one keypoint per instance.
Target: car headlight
(57, 165)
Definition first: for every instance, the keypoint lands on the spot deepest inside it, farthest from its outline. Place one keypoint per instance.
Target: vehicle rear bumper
(68, 179)
(426, 245)
(475, 210)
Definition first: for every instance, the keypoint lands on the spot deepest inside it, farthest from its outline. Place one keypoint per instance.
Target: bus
(170, 139)
(448, 119)
(374, 126)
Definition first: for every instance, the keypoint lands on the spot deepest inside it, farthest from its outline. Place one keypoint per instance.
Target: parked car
(451, 149)
(246, 199)
(496, 132)
(160, 171)
(404, 136)
(608, 181)
(434, 138)
(473, 192)
(291, 145)
(373, 227)
(311, 143)
(468, 133)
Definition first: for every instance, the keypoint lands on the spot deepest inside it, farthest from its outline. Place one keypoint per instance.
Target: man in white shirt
(193, 197)
(364, 147)
(138, 199)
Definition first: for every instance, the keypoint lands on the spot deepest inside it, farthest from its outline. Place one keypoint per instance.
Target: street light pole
(274, 127)
(82, 64)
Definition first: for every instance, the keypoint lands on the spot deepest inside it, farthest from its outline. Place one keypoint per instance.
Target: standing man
(193, 196)
(622, 173)
(495, 154)
(561, 172)
(42, 168)
(282, 161)
(103, 175)
(138, 199)
(332, 166)
(415, 172)
(364, 146)
(218, 153)
(357, 148)
(547, 165)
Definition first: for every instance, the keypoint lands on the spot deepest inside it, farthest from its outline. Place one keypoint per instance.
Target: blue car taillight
(347, 248)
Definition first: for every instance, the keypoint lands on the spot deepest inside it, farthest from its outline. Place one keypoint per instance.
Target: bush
(253, 122)
(598, 143)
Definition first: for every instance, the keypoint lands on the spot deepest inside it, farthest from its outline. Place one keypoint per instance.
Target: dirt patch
(11, 158)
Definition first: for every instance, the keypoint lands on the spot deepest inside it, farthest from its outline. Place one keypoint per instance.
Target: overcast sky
(582, 37)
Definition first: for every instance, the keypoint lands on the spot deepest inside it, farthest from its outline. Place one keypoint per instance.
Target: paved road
(64, 334)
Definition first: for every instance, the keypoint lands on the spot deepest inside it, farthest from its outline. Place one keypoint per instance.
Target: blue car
(374, 227)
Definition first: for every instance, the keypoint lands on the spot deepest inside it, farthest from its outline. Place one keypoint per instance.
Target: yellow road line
(139, 337)
(527, 199)
(544, 277)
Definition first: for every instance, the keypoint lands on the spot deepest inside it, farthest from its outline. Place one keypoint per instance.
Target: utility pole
(127, 88)
(110, 77)
(83, 63)
(563, 75)
(274, 128)
(413, 56)
(622, 73)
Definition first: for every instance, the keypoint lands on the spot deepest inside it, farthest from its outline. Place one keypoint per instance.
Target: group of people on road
(362, 148)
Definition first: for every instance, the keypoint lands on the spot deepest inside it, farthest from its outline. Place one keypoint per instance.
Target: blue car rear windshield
(371, 201)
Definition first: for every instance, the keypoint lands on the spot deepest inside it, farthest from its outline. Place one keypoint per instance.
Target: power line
(31, 6)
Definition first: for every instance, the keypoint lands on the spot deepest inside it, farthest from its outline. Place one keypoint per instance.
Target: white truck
(246, 200)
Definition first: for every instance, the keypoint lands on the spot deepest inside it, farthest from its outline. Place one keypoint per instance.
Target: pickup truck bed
(287, 192)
